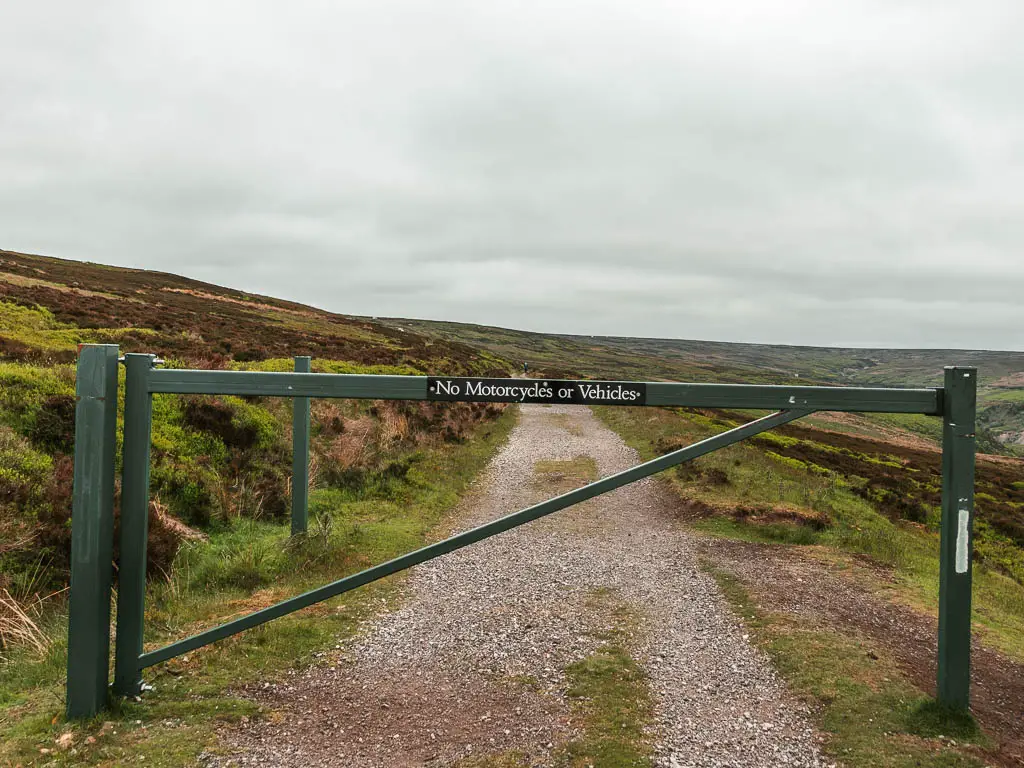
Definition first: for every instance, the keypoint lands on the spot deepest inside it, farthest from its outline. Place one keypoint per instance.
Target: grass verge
(873, 716)
(245, 566)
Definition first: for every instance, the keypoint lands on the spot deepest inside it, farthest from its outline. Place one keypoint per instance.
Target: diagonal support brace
(473, 535)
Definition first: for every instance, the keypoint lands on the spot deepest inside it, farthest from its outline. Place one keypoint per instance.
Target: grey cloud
(842, 173)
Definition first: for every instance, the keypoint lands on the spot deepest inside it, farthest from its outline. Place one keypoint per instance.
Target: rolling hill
(384, 475)
(1001, 374)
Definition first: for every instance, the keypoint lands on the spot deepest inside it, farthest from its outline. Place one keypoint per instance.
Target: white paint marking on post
(961, 540)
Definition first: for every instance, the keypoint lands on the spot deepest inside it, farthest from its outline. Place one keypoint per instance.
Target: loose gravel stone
(473, 661)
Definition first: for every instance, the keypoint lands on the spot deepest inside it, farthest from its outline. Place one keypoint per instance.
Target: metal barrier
(89, 630)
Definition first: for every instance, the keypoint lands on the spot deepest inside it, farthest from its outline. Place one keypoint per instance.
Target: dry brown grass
(18, 627)
(555, 475)
(29, 282)
(244, 496)
(328, 415)
(394, 426)
(231, 300)
(350, 448)
(315, 469)
(15, 535)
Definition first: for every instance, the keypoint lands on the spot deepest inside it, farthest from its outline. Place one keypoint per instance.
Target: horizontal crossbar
(767, 397)
(776, 397)
(472, 536)
(337, 385)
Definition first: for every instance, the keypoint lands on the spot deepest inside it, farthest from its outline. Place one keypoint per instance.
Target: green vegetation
(29, 395)
(37, 327)
(609, 691)
(245, 564)
(214, 458)
(873, 715)
(383, 474)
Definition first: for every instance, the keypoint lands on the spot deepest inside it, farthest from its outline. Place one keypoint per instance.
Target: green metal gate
(95, 447)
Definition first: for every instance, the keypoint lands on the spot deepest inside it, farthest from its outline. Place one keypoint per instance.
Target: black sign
(536, 391)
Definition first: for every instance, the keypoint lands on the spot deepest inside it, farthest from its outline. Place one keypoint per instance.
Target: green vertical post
(131, 593)
(92, 530)
(300, 455)
(958, 447)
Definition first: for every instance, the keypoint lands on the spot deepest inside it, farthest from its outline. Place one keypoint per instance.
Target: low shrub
(215, 417)
(53, 428)
(24, 472)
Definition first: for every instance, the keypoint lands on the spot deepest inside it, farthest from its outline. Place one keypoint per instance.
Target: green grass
(1006, 395)
(23, 471)
(609, 691)
(212, 581)
(871, 713)
(37, 327)
(742, 474)
(771, 533)
(820, 509)
(287, 365)
(927, 427)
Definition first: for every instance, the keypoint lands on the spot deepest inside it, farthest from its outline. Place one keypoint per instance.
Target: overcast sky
(839, 173)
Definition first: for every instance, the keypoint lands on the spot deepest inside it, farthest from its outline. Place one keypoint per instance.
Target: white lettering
(447, 388)
(536, 391)
(599, 392)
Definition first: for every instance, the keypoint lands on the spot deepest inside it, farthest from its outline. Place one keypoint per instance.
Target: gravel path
(472, 663)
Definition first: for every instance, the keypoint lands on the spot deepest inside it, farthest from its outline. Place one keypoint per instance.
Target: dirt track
(442, 678)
